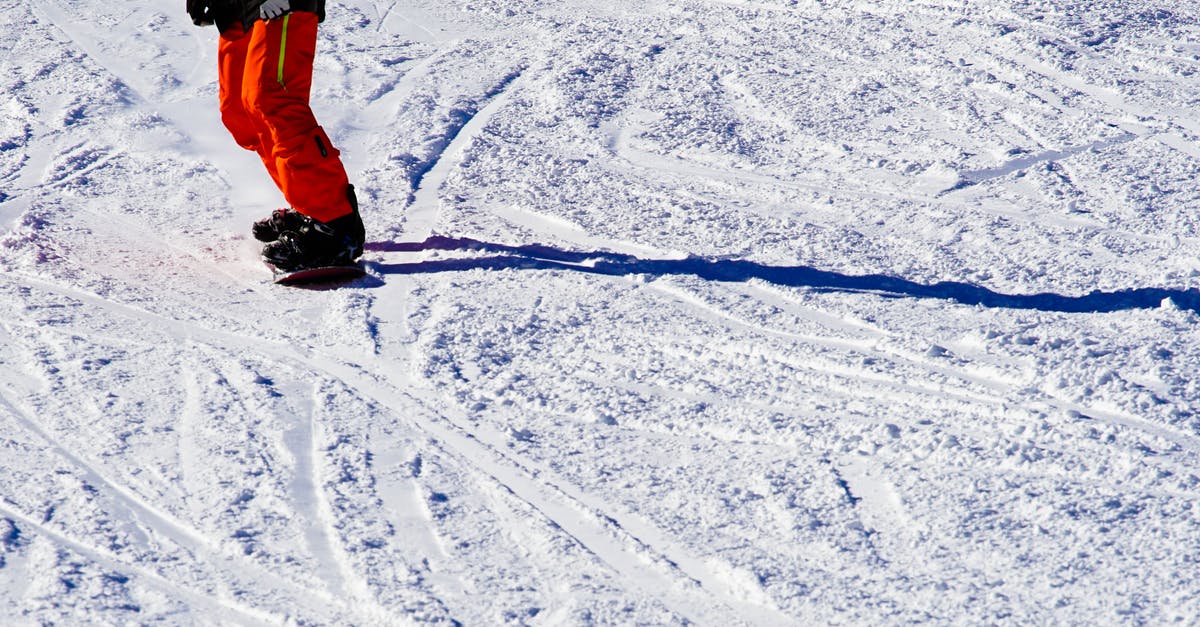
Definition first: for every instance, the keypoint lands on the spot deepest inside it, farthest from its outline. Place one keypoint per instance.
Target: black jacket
(229, 12)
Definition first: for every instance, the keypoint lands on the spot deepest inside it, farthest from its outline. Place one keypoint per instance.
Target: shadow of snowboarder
(540, 257)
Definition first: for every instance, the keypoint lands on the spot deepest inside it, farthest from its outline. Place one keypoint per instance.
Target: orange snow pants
(266, 77)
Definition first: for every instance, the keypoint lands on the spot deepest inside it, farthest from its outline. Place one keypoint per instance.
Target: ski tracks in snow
(639, 556)
(421, 214)
(248, 578)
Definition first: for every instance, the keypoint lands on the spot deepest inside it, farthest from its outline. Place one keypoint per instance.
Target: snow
(720, 312)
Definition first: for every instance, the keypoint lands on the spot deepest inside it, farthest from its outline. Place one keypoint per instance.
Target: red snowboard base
(312, 276)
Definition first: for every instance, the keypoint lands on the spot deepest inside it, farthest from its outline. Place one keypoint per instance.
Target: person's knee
(271, 109)
(251, 103)
(239, 124)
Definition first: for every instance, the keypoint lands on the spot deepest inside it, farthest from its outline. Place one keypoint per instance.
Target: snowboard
(323, 275)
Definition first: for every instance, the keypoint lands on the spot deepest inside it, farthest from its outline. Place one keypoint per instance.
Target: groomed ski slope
(715, 312)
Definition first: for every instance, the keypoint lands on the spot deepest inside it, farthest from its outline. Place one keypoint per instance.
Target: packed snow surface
(713, 312)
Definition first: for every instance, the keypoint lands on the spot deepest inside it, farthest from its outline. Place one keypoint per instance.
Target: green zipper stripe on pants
(283, 49)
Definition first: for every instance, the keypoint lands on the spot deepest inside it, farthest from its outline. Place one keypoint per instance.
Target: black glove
(201, 12)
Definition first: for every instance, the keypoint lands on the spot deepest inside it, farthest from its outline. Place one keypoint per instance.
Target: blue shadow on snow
(539, 257)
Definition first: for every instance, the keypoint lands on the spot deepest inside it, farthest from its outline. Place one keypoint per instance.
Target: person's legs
(247, 130)
(277, 82)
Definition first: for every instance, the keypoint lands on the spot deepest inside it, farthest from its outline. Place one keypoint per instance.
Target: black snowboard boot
(279, 222)
(313, 244)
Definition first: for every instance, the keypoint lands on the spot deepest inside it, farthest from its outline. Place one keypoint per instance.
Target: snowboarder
(265, 64)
